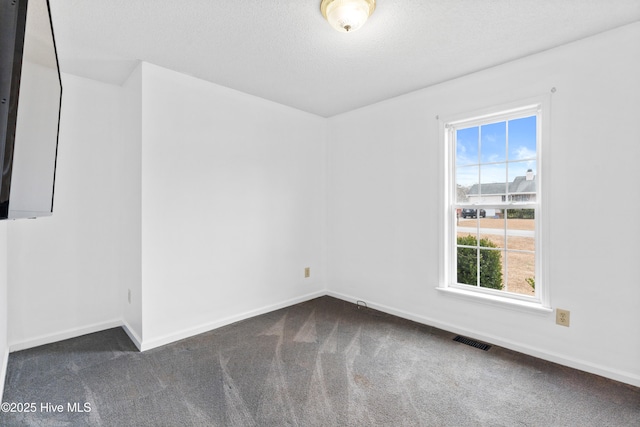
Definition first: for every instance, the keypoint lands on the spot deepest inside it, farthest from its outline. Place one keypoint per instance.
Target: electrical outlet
(307, 272)
(129, 296)
(562, 317)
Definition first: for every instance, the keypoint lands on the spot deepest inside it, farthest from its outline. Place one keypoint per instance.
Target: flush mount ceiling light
(347, 15)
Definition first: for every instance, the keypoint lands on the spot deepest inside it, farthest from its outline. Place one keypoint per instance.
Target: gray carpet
(319, 363)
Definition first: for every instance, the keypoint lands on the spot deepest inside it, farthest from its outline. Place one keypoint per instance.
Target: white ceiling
(284, 50)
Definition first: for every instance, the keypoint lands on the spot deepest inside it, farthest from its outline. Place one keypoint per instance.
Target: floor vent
(472, 343)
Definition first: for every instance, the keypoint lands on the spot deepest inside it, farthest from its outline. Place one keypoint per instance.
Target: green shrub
(520, 214)
(490, 263)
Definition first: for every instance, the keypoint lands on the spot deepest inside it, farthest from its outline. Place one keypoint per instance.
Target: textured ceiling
(284, 50)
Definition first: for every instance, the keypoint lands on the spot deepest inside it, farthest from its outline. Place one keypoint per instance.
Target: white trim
(206, 327)
(614, 374)
(3, 372)
(157, 342)
(64, 335)
(575, 363)
(539, 106)
(497, 112)
(509, 301)
(542, 226)
(137, 341)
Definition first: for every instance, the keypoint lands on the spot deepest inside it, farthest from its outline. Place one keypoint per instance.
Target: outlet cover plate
(563, 317)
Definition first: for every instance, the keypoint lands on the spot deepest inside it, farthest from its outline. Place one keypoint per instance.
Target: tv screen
(30, 99)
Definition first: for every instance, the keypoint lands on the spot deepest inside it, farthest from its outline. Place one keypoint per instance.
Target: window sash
(451, 129)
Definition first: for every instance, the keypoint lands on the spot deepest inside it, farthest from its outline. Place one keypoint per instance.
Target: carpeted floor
(320, 363)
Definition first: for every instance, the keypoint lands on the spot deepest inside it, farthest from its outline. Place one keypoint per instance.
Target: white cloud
(495, 158)
(493, 173)
(523, 152)
(489, 138)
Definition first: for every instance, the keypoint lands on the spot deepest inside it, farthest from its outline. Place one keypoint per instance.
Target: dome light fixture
(347, 15)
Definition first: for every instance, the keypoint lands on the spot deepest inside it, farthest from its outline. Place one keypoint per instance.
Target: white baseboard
(3, 372)
(64, 335)
(157, 342)
(186, 333)
(137, 341)
(614, 374)
(582, 365)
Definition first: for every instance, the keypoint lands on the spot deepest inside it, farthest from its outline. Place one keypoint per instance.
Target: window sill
(497, 301)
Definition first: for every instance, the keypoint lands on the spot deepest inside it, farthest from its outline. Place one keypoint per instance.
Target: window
(494, 205)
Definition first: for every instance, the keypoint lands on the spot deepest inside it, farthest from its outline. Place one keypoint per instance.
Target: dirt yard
(520, 265)
(514, 224)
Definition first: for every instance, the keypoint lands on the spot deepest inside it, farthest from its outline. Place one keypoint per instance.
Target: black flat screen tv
(30, 101)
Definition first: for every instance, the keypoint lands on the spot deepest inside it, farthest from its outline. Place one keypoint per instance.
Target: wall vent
(472, 343)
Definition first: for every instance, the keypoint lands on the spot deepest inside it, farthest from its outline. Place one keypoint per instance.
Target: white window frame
(539, 106)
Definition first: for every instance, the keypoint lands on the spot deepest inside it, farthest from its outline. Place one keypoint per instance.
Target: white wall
(206, 203)
(385, 179)
(233, 205)
(4, 345)
(62, 274)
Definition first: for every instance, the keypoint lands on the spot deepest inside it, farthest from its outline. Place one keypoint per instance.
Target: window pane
(521, 227)
(521, 168)
(492, 184)
(521, 273)
(467, 264)
(466, 183)
(522, 138)
(490, 269)
(522, 181)
(467, 223)
(492, 231)
(467, 146)
(493, 142)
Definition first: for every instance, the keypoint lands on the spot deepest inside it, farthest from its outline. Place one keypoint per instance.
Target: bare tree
(462, 193)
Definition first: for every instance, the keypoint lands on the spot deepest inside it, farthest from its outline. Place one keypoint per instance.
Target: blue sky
(484, 150)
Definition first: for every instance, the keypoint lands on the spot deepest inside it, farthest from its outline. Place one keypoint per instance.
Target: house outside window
(521, 189)
(494, 214)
